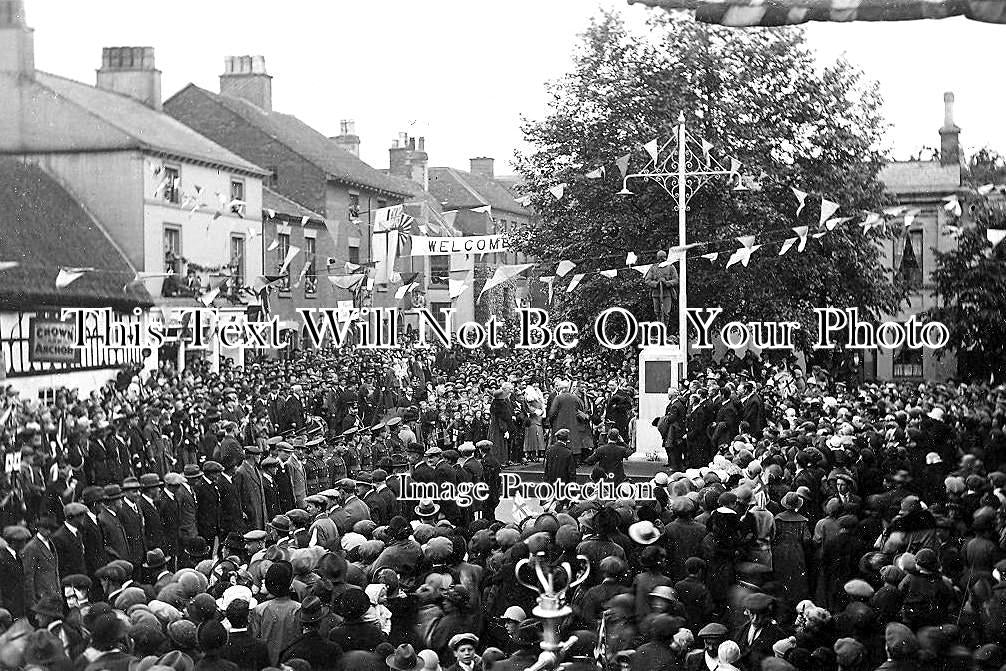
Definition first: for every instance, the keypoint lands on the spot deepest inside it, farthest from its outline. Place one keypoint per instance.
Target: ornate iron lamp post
(681, 167)
(553, 606)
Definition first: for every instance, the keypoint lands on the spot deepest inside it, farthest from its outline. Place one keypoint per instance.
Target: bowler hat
(155, 559)
(150, 481)
(112, 492)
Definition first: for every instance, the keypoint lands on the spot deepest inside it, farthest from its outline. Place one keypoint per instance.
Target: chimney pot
(246, 77)
(405, 160)
(347, 137)
(17, 43)
(950, 134)
(483, 166)
(131, 71)
(422, 144)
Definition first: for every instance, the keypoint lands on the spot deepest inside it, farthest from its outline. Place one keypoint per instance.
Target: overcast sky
(465, 71)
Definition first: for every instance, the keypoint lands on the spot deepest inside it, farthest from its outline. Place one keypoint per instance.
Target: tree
(970, 280)
(757, 96)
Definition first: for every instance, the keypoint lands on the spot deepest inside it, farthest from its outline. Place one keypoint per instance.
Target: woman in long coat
(501, 426)
(789, 555)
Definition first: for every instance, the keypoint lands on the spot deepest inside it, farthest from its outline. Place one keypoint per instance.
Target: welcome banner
(475, 244)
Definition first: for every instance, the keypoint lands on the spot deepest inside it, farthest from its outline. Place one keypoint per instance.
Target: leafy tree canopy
(756, 95)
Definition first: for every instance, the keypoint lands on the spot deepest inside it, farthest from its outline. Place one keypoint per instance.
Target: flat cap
(758, 602)
(713, 630)
(172, 479)
(254, 536)
(16, 533)
(74, 509)
(212, 467)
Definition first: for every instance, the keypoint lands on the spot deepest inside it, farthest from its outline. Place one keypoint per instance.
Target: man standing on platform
(672, 427)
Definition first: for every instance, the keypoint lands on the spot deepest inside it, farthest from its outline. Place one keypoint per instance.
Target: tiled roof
(106, 120)
(283, 205)
(339, 164)
(919, 177)
(419, 196)
(44, 229)
(457, 189)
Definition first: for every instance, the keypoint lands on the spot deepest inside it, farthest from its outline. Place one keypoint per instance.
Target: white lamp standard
(682, 166)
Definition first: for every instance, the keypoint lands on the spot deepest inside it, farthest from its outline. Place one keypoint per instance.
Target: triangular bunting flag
(818, 236)
(304, 220)
(7, 265)
(801, 232)
(872, 219)
(272, 246)
(303, 274)
(711, 256)
(707, 146)
(400, 294)
(68, 276)
(504, 273)
(558, 190)
(828, 208)
(786, 245)
(550, 281)
(208, 298)
(800, 196)
(742, 255)
(573, 283)
(485, 209)
(735, 166)
(895, 211)
(291, 253)
(651, 149)
(642, 270)
(985, 189)
(284, 229)
(831, 224)
(596, 173)
(524, 201)
(995, 235)
(455, 287)
(630, 258)
(271, 212)
(623, 165)
(347, 282)
(609, 273)
(746, 240)
(351, 267)
(564, 267)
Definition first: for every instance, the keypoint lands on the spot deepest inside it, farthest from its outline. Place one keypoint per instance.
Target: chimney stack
(347, 137)
(482, 166)
(245, 77)
(950, 134)
(406, 159)
(131, 71)
(17, 40)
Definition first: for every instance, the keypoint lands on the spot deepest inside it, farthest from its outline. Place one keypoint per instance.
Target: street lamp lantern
(553, 583)
(625, 192)
(681, 166)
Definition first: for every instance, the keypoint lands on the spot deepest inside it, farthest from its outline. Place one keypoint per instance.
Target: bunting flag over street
(748, 13)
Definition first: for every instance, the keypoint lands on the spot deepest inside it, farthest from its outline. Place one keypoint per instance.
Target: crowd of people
(253, 518)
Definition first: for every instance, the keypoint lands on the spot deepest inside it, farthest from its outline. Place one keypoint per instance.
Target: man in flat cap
(12, 585)
(250, 490)
(68, 541)
(350, 509)
(760, 632)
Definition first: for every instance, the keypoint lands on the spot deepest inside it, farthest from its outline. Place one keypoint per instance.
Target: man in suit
(92, 536)
(114, 533)
(275, 405)
(351, 509)
(230, 505)
(158, 453)
(292, 414)
(752, 408)
(250, 492)
(68, 541)
(41, 565)
(294, 469)
(389, 500)
(158, 574)
(760, 632)
(611, 457)
(208, 503)
(711, 635)
(672, 427)
(270, 487)
(559, 462)
(13, 595)
(725, 424)
(132, 521)
(186, 497)
(153, 527)
(566, 411)
(169, 510)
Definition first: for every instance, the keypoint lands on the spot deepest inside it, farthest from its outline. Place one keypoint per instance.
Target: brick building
(320, 174)
(920, 185)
